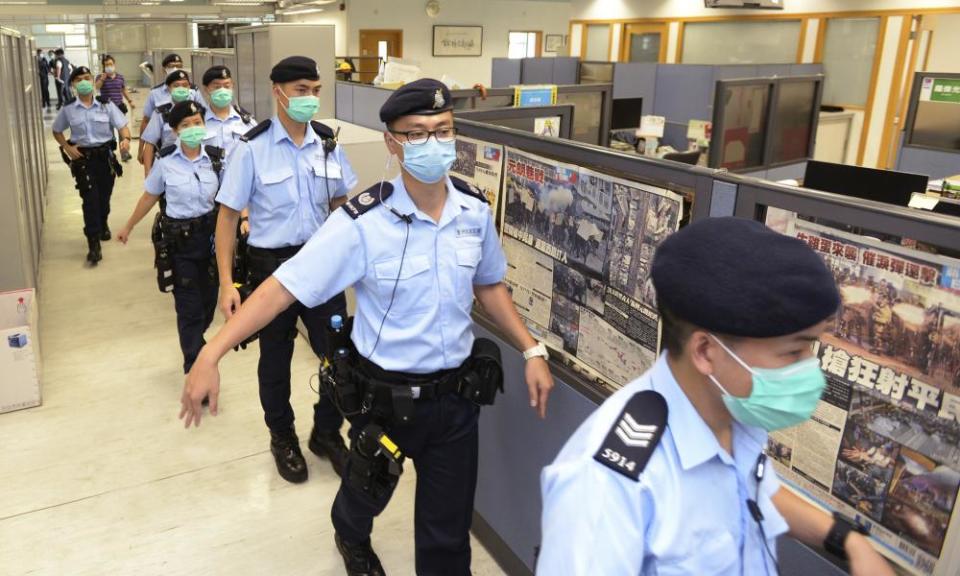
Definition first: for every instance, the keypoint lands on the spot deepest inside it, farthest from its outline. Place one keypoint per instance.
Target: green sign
(945, 90)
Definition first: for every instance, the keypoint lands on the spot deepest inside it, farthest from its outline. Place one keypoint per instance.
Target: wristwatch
(837, 536)
(538, 350)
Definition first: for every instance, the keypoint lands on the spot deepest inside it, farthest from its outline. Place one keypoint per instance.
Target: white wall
(498, 17)
(944, 44)
(331, 15)
(612, 9)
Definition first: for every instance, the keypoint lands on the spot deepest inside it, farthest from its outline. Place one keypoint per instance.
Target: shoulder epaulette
(164, 109)
(322, 130)
(256, 131)
(160, 85)
(214, 152)
(635, 435)
(167, 150)
(102, 99)
(368, 199)
(469, 189)
(245, 116)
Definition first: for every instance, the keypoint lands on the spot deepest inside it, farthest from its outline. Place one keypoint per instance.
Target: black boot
(359, 559)
(286, 451)
(94, 254)
(329, 445)
(105, 235)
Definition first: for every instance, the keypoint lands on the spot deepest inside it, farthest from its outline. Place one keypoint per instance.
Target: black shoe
(94, 253)
(286, 452)
(105, 235)
(359, 559)
(329, 445)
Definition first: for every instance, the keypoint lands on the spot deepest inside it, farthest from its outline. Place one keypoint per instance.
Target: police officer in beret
(159, 134)
(417, 250)
(186, 176)
(160, 95)
(669, 474)
(291, 174)
(90, 151)
(226, 120)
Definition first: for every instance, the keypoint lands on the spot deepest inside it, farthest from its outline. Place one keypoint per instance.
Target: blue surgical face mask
(780, 398)
(429, 162)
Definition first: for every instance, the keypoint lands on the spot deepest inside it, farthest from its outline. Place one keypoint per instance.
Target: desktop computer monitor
(879, 185)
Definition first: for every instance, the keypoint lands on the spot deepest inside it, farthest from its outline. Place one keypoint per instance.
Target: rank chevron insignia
(634, 434)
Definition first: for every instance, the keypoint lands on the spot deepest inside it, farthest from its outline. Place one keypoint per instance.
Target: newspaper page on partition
(481, 164)
(579, 245)
(884, 442)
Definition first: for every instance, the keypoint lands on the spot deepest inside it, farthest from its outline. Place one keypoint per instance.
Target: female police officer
(91, 122)
(186, 177)
(417, 250)
(668, 476)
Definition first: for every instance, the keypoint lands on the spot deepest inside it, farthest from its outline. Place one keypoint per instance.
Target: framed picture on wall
(458, 40)
(553, 43)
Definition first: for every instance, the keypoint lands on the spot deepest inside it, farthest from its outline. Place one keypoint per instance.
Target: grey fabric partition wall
(506, 72)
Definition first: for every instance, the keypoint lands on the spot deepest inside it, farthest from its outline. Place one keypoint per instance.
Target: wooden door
(377, 43)
(644, 43)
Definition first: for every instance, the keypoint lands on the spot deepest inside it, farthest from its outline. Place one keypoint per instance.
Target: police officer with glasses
(226, 120)
(187, 177)
(291, 174)
(89, 152)
(159, 134)
(417, 250)
(669, 475)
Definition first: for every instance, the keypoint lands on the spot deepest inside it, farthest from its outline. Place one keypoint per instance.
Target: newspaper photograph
(894, 348)
(481, 164)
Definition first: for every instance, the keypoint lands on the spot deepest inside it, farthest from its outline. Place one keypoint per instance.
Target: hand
(203, 381)
(132, 105)
(539, 384)
(124, 235)
(73, 152)
(229, 300)
(864, 559)
(140, 155)
(125, 145)
(245, 227)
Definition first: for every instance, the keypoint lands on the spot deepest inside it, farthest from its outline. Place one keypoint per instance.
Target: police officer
(160, 95)
(159, 134)
(90, 151)
(291, 174)
(669, 474)
(226, 121)
(417, 250)
(186, 176)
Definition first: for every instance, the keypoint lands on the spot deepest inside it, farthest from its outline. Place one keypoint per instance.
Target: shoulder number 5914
(619, 459)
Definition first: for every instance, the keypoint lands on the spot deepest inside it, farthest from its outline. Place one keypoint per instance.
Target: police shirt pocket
(177, 184)
(713, 553)
(101, 118)
(328, 175)
(468, 258)
(412, 280)
(279, 190)
(209, 179)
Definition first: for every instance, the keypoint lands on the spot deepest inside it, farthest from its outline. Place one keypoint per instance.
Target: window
(523, 45)
(741, 42)
(848, 50)
(598, 43)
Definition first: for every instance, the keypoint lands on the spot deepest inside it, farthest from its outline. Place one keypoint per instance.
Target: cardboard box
(19, 351)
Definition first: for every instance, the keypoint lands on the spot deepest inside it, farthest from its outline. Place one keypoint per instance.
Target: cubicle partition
(526, 119)
(515, 445)
(508, 72)
(930, 143)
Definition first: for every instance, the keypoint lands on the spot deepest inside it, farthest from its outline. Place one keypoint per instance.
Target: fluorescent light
(238, 3)
(59, 28)
(295, 11)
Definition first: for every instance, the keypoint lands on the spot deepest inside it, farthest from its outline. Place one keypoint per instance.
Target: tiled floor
(103, 480)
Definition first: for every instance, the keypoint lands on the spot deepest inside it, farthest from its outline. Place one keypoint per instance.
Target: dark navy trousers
(195, 290)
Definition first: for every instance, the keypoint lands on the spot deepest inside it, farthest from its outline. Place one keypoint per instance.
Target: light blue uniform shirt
(225, 133)
(90, 126)
(429, 327)
(158, 132)
(287, 189)
(189, 186)
(159, 96)
(686, 515)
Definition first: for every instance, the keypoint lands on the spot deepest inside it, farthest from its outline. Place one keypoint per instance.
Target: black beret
(177, 75)
(171, 58)
(78, 71)
(737, 277)
(183, 110)
(216, 73)
(295, 68)
(420, 97)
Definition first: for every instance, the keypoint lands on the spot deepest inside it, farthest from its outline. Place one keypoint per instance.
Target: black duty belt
(196, 224)
(284, 253)
(104, 148)
(424, 386)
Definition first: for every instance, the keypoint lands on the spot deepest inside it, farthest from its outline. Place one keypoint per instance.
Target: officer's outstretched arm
(269, 300)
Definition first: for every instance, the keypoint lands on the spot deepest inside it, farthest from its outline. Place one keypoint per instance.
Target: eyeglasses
(419, 137)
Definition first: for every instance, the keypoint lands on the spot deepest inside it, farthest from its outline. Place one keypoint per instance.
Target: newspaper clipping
(480, 164)
(884, 443)
(579, 246)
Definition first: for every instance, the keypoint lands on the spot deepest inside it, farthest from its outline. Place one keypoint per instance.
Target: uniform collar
(280, 133)
(402, 203)
(695, 442)
(79, 103)
(211, 115)
(179, 152)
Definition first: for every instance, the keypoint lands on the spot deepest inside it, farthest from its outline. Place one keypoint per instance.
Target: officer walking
(417, 250)
(187, 177)
(669, 474)
(43, 73)
(226, 121)
(90, 154)
(158, 133)
(160, 95)
(290, 173)
(61, 74)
